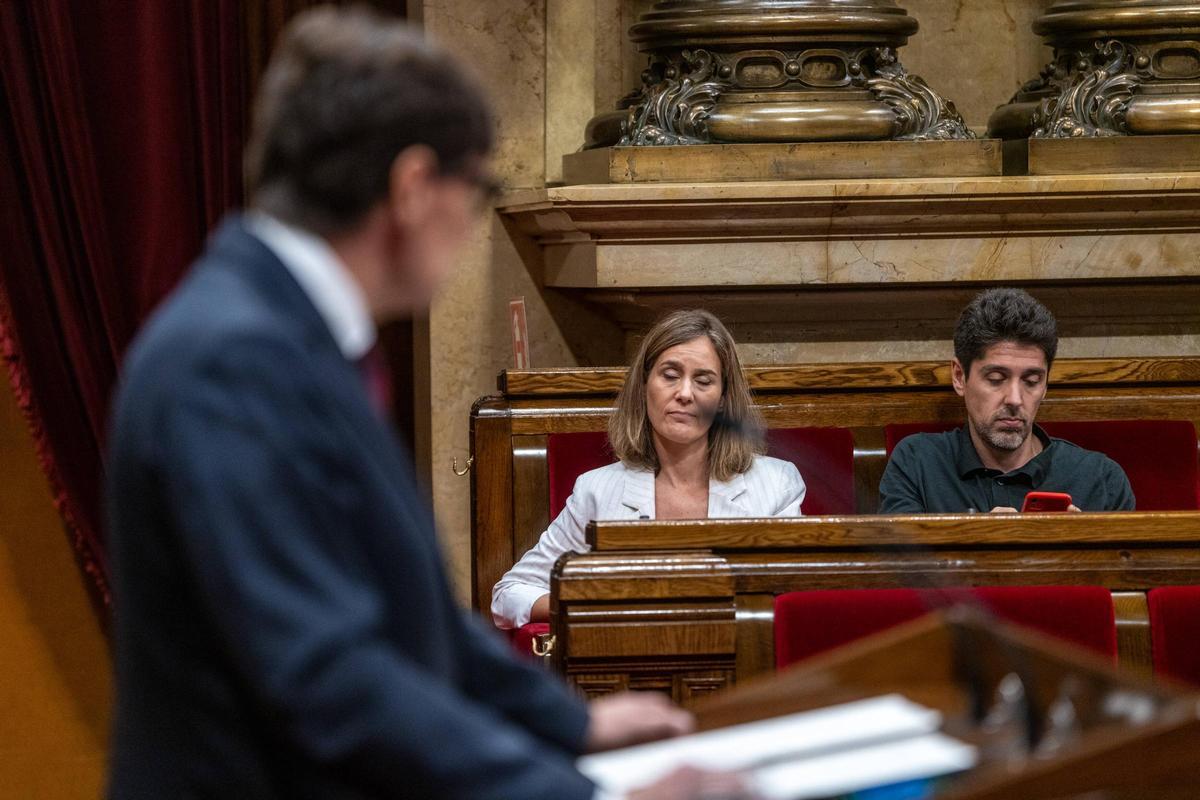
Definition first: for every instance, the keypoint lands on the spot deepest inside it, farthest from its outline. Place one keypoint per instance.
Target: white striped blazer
(770, 488)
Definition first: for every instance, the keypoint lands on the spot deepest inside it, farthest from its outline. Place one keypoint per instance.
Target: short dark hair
(346, 91)
(1003, 315)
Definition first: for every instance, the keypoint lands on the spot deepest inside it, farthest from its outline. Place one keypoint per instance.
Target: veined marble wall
(467, 334)
(976, 53)
(550, 65)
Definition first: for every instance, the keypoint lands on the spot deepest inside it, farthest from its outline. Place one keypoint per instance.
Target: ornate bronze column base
(1120, 68)
(737, 71)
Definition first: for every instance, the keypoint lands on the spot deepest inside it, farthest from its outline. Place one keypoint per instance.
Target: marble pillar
(467, 336)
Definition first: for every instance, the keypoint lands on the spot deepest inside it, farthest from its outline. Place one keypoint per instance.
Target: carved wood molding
(602, 595)
(575, 381)
(693, 574)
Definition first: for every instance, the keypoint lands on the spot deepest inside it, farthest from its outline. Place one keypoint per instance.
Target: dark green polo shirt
(942, 473)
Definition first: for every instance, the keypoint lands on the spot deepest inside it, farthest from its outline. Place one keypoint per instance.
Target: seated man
(1004, 345)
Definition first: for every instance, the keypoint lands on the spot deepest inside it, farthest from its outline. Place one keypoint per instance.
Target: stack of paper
(813, 754)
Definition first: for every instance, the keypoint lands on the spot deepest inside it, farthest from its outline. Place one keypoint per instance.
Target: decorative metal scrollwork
(1096, 101)
(1045, 80)
(674, 110)
(921, 113)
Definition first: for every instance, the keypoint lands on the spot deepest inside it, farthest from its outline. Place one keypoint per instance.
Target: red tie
(378, 380)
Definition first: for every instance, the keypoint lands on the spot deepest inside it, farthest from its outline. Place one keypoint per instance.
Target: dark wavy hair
(1004, 315)
(346, 91)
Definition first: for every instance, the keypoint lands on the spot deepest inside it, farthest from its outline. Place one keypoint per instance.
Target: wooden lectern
(1086, 729)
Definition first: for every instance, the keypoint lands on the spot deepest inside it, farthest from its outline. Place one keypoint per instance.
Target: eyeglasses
(488, 188)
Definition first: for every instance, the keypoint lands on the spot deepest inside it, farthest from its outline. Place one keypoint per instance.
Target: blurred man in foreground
(284, 626)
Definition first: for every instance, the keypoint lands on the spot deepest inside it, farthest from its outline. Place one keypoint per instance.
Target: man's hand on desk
(627, 718)
(689, 783)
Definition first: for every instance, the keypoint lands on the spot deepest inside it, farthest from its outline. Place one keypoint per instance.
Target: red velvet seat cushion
(1175, 631)
(824, 456)
(1159, 456)
(522, 637)
(808, 623)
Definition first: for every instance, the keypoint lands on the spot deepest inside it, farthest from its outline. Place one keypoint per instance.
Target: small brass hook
(466, 467)
(543, 644)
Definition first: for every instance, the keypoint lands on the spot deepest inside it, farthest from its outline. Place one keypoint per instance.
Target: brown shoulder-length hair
(737, 431)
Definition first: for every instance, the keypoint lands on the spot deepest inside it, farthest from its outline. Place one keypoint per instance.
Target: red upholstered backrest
(824, 456)
(569, 455)
(1175, 631)
(1158, 456)
(892, 434)
(808, 623)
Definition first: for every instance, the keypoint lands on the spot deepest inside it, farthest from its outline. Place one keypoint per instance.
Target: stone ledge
(793, 233)
(797, 161)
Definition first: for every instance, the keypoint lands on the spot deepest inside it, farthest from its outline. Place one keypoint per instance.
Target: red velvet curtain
(120, 139)
(121, 134)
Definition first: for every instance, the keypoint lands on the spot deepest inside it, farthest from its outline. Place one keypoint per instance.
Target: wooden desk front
(688, 607)
(509, 479)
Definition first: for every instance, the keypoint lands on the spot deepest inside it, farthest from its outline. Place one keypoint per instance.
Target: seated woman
(689, 440)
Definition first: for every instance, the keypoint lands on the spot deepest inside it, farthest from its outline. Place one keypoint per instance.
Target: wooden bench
(687, 607)
(509, 431)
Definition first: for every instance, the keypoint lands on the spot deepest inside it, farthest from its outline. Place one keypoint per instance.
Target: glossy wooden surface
(570, 381)
(510, 498)
(693, 620)
(924, 660)
(919, 531)
(673, 585)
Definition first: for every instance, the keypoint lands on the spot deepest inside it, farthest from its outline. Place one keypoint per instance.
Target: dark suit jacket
(284, 626)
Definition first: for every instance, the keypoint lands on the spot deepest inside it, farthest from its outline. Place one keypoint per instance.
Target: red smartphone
(1046, 501)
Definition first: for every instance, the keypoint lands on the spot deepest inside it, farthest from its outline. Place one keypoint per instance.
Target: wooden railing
(687, 607)
(509, 431)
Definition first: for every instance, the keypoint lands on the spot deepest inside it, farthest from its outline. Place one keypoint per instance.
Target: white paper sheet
(811, 754)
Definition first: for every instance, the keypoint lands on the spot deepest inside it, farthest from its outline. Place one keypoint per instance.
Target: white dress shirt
(770, 488)
(324, 280)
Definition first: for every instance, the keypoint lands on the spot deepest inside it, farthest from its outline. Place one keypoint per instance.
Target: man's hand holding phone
(1037, 502)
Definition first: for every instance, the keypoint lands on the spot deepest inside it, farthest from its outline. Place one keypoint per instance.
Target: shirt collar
(724, 497)
(323, 278)
(968, 461)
